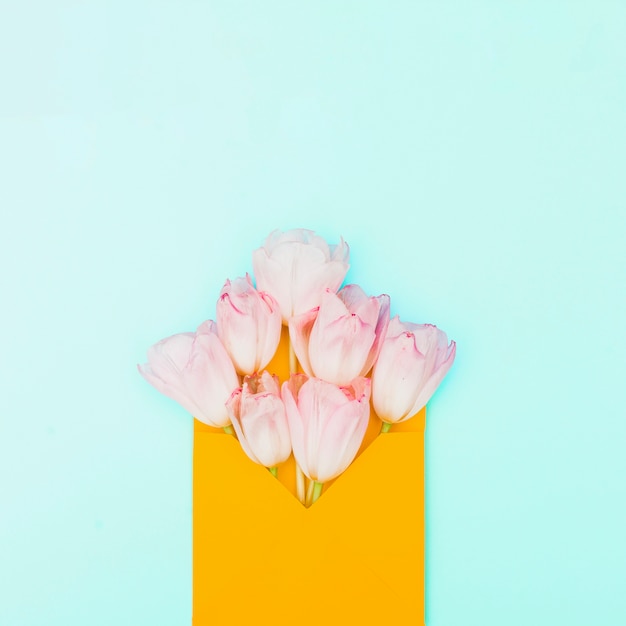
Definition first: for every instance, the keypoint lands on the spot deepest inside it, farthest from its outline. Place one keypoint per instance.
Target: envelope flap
(251, 533)
(378, 470)
(382, 494)
(340, 561)
(241, 483)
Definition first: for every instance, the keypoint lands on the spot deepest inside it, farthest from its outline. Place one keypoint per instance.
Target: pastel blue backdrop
(471, 153)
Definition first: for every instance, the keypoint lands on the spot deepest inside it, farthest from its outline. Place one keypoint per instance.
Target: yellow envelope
(356, 556)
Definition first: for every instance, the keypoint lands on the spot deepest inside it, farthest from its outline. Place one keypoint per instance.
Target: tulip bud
(342, 338)
(249, 325)
(412, 362)
(327, 423)
(297, 266)
(258, 416)
(195, 370)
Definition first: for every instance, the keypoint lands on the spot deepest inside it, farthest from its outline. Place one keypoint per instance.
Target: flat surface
(471, 154)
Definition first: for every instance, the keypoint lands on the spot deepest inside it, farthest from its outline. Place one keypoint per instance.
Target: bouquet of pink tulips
(345, 354)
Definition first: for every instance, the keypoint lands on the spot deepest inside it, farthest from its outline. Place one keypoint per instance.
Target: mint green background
(471, 153)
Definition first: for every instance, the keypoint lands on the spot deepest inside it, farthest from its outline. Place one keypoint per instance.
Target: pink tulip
(249, 325)
(412, 362)
(258, 416)
(342, 338)
(297, 266)
(327, 423)
(195, 370)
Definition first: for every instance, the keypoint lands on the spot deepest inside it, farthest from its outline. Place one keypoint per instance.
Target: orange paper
(356, 556)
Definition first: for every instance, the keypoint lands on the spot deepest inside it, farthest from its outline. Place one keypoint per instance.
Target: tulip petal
(195, 370)
(352, 296)
(331, 307)
(238, 333)
(319, 278)
(297, 432)
(300, 327)
(396, 377)
(396, 327)
(338, 351)
(340, 252)
(296, 267)
(172, 391)
(317, 402)
(306, 279)
(249, 324)
(430, 385)
(269, 278)
(209, 327)
(357, 301)
(233, 406)
(340, 340)
(380, 332)
(170, 354)
(430, 341)
(373, 311)
(211, 378)
(264, 424)
(267, 341)
(258, 415)
(267, 383)
(342, 437)
(405, 376)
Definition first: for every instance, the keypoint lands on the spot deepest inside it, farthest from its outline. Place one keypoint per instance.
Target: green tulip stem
(273, 471)
(385, 428)
(300, 484)
(229, 430)
(309, 492)
(293, 368)
(317, 491)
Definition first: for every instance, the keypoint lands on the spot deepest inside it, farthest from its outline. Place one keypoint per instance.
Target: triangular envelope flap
(237, 505)
(377, 474)
(286, 470)
(221, 464)
(387, 474)
(251, 534)
(376, 509)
